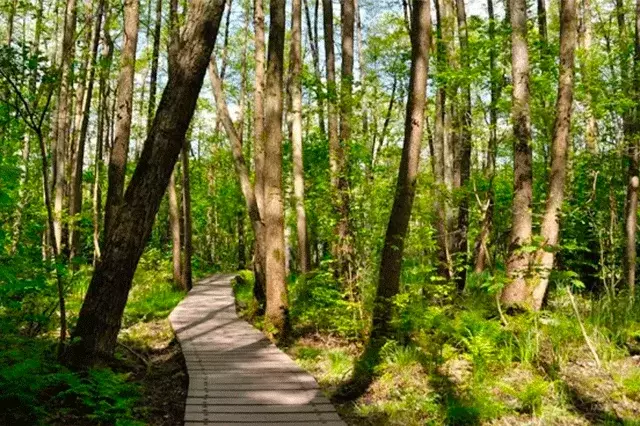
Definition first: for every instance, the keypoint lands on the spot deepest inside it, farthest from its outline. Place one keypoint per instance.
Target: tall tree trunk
(312, 31)
(633, 141)
(124, 102)
(550, 229)
(277, 304)
(515, 292)
(101, 314)
(441, 146)
(334, 142)
(591, 133)
(461, 244)
(174, 226)
(63, 121)
(240, 165)
(295, 89)
(482, 248)
(26, 147)
(392, 252)
(187, 275)
(76, 189)
(345, 235)
(102, 136)
(260, 255)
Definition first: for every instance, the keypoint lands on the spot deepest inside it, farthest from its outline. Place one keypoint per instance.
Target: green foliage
(318, 303)
(35, 389)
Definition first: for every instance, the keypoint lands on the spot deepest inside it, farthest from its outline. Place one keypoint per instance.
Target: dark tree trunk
(461, 242)
(101, 314)
(392, 252)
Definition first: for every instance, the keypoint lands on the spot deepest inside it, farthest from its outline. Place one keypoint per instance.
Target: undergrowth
(36, 389)
(460, 361)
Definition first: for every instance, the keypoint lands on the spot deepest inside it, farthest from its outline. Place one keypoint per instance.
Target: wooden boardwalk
(236, 375)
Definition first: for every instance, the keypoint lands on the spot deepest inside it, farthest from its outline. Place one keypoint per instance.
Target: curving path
(236, 375)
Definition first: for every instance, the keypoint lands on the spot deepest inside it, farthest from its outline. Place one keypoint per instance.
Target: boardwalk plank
(237, 376)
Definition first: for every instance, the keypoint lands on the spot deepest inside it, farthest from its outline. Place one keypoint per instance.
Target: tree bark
(102, 136)
(392, 252)
(550, 229)
(312, 31)
(591, 133)
(174, 226)
(482, 243)
(153, 82)
(330, 58)
(124, 101)
(63, 120)
(295, 89)
(187, 275)
(518, 261)
(344, 234)
(461, 243)
(260, 255)
(101, 314)
(633, 140)
(76, 189)
(277, 304)
(441, 147)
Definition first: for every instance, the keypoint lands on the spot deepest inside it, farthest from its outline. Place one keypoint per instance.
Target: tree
(63, 119)
(392, 252)
(124, 105)
(259, 138)
(99, 320)
(295, 90)
(393, 249)
(517, 264)
(75, 202)
(550, 229)
(277, 304)
(632, 135)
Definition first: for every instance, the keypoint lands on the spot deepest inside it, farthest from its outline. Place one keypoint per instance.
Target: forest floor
(465, 367)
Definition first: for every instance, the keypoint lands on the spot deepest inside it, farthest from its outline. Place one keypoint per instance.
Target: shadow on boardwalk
(236, 375)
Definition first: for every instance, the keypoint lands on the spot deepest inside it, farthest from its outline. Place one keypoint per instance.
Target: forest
(430, 206)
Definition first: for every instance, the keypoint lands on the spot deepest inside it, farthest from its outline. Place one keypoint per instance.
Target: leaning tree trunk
(101, 314)
(550, 230)
(295, 88)
(124, 105)
(277, 304)
(392, 252)
(515, 293)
